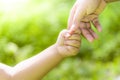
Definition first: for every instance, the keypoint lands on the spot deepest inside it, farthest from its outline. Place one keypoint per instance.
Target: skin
(82, 14)
(36, 67)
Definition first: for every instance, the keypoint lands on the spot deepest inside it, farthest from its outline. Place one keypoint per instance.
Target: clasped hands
(83, 13)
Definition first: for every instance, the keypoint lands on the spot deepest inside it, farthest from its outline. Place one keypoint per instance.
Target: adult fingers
(93, 34)
(91, 31)
(97, 24)
(85, 32)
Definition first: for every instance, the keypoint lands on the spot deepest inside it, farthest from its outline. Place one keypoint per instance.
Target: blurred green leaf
(29, 26)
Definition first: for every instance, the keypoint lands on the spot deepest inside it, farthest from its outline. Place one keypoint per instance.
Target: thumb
(79, 15)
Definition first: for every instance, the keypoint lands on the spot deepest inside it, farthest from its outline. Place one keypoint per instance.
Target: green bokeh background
(29, 26)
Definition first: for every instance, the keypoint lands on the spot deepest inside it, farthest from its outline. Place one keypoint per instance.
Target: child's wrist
(58, 52)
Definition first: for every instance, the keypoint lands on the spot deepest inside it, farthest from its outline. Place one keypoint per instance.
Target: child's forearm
(36, 67)
(108, 1)
(4, 72)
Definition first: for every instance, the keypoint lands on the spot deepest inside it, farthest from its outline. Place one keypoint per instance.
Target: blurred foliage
(29, 26)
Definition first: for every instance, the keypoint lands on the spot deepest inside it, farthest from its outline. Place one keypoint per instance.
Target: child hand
(68, 46)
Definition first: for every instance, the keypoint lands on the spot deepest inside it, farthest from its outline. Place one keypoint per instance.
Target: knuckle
(78, 31)
(75, 37)
(73, 50)
(75, 42)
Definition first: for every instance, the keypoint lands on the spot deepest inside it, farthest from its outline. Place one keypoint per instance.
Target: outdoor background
(29, 26)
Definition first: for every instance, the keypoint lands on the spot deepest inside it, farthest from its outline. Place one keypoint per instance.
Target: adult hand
(82, 14)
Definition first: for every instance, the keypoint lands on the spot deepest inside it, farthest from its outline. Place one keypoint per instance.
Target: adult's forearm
(108, 1)
(36, 67)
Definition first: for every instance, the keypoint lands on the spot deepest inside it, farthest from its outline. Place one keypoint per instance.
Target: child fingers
(73, 50)
(61, 37)
(77, 31)
(75, 37)
(73, 43)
